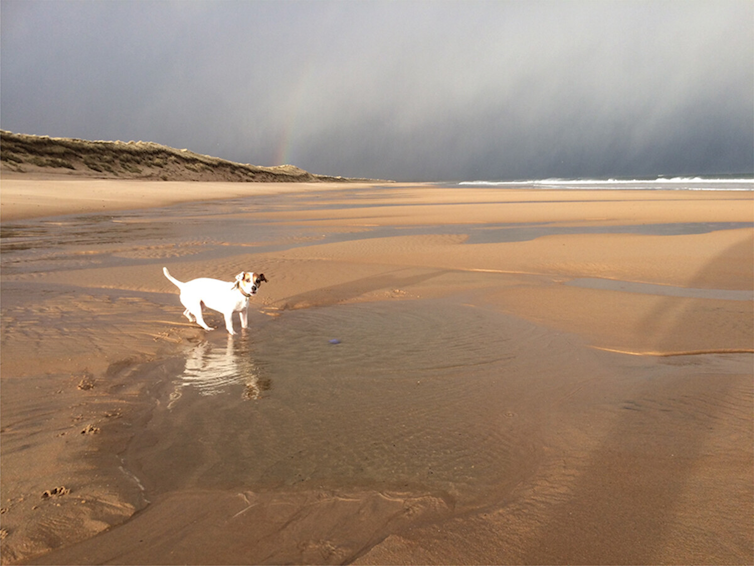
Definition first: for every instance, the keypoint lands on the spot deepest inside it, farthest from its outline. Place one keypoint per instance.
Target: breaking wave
(660, 183)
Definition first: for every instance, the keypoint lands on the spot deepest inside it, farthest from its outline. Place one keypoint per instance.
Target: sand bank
(24, 196)
(520, 376)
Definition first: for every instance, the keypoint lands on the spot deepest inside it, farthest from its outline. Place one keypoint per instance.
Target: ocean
(727, 183)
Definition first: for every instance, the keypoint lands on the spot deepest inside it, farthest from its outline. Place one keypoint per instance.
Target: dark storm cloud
(406, 90)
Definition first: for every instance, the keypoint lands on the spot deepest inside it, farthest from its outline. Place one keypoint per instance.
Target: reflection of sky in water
(212, 369)
(417, 395)
(427, 396)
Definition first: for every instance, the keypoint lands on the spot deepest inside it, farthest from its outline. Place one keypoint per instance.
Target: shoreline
(523, 388)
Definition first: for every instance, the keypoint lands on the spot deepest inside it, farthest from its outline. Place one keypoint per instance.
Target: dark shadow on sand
(630, 504)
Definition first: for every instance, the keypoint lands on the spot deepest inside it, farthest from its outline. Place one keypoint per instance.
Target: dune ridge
(44, 155)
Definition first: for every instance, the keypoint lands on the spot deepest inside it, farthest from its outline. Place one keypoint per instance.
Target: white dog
(222, 296)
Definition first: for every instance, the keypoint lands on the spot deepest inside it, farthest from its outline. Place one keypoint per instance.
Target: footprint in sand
(56, 492)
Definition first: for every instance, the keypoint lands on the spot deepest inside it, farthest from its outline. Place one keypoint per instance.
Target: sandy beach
(433, 375)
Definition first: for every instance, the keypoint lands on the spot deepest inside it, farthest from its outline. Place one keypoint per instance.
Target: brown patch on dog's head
(248, 282)
(258, 279)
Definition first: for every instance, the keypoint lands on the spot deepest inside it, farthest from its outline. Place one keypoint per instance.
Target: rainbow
(284, 151)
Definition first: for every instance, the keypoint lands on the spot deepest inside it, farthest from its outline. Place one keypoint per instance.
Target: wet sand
(432, 375)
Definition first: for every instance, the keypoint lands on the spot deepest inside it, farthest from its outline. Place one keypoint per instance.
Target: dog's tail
(172, 279)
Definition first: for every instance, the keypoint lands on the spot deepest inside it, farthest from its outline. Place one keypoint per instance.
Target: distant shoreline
(42, 156)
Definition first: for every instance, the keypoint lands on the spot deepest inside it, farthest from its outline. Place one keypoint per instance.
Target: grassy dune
(43, 155)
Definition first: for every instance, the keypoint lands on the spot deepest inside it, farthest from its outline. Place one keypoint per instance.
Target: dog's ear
(239, 277)
(262, 278)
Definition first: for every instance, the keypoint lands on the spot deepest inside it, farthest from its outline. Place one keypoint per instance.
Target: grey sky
(405, 90)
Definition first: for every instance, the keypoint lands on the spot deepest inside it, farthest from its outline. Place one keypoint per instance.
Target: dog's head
(248, 283)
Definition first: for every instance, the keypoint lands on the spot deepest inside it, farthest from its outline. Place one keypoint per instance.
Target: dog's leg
(229, 322)
(243, 314)
(196, 311)
(200, 320)
(193, 310)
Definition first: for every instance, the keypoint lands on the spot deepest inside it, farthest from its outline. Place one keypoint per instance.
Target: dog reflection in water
(211, 370)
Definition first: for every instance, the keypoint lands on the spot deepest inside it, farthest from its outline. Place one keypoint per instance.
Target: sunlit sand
(433, 375)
